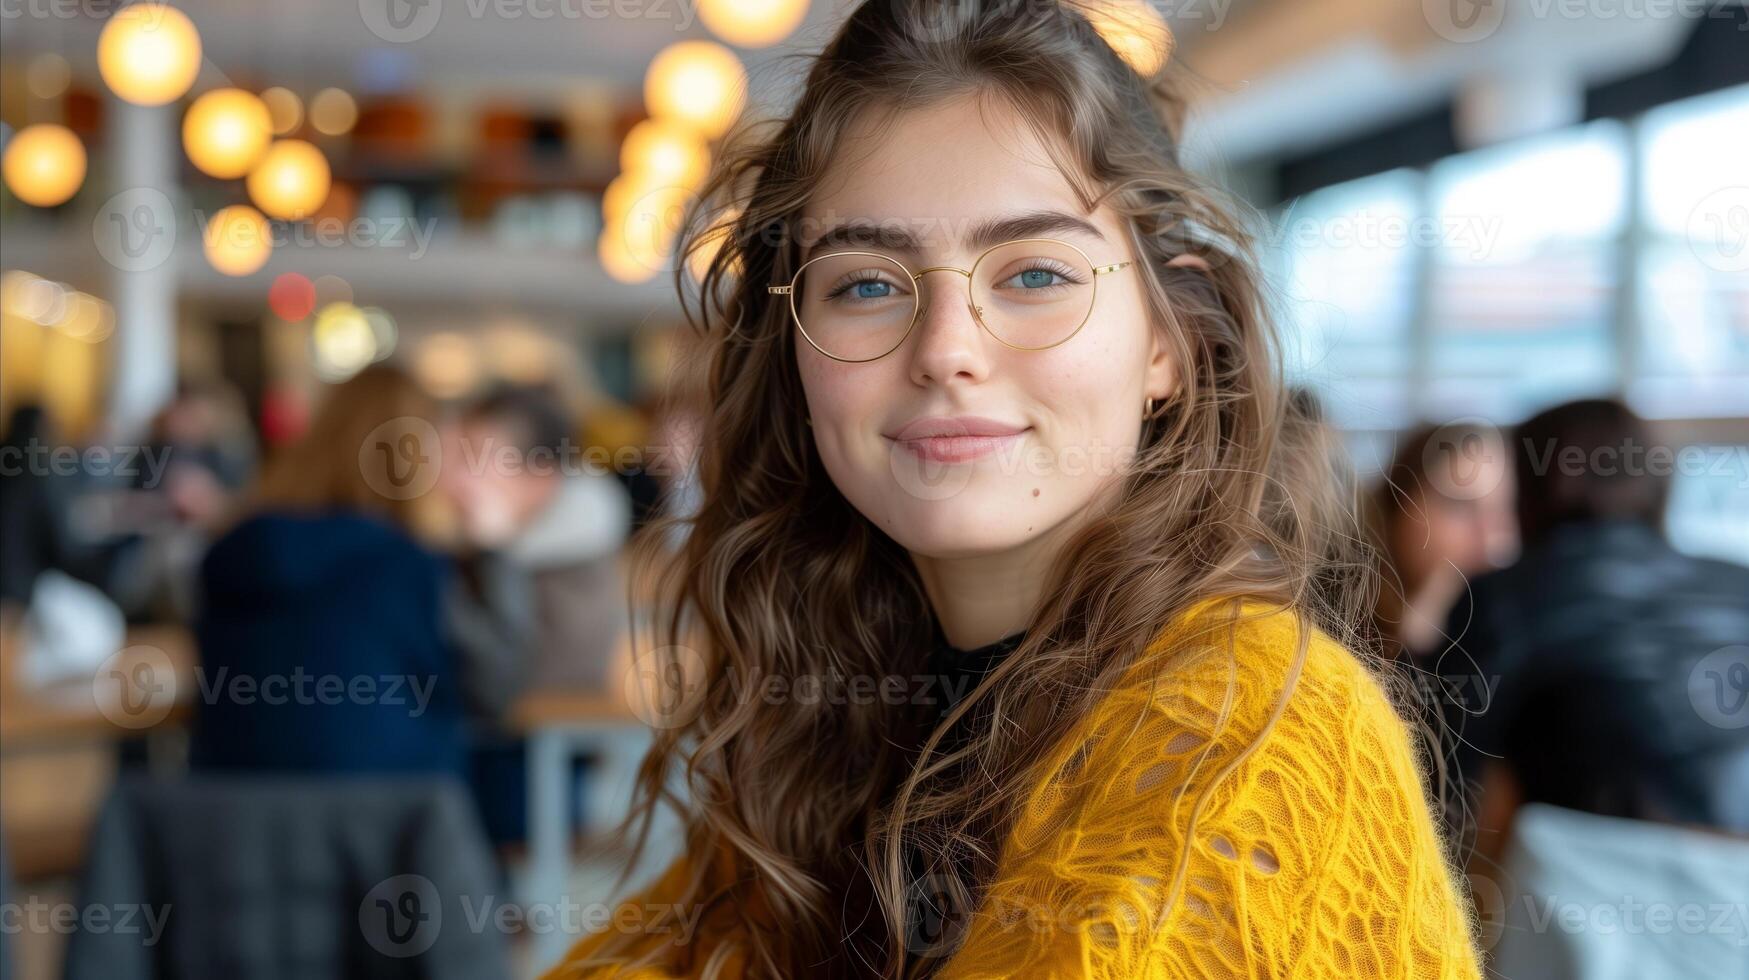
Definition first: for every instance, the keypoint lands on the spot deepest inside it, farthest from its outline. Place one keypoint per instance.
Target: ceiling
(1277, 75)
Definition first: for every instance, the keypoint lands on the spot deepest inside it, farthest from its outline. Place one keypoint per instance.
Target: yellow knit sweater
(1301, 848)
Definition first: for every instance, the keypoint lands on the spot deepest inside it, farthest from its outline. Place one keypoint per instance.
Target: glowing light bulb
(44, 164)
(752, 23)
(226, 131)
(291, 181)
(699, 84)
(237, 241)
(149, 53)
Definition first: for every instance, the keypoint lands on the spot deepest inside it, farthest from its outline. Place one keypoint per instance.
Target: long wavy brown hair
(798, 815)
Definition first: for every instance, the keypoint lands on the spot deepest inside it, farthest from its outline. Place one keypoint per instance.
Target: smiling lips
(955, 439)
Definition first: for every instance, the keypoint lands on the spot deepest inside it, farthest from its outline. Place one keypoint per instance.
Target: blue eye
(1039, 277)
(873, 290)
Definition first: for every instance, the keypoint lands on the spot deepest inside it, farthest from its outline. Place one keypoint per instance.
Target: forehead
(938, 170)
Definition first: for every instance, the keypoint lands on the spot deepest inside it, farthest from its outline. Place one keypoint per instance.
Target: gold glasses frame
(917, 298)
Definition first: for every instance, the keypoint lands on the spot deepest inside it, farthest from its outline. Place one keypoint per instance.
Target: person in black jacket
(321, 637)
(1605, 671)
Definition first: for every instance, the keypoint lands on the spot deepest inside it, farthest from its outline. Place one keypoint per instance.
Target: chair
(1601, 898)
(286, 878)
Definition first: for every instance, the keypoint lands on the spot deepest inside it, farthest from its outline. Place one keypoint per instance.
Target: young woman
(994, 398)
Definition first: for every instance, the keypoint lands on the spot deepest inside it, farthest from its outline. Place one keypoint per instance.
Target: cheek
(844, 402)
(1092, 387)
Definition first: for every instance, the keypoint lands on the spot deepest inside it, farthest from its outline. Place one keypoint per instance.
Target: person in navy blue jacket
(322, 646)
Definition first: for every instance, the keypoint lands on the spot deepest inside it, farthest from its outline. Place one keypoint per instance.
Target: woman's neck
(980, 599)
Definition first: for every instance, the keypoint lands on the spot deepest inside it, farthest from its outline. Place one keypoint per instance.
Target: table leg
(550, 790)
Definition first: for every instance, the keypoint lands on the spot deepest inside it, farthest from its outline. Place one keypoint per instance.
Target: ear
(1162, 380)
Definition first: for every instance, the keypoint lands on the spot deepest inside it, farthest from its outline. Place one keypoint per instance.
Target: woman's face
(1067, 418)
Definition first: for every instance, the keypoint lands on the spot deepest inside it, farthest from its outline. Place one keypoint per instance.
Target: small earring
(1148, 409)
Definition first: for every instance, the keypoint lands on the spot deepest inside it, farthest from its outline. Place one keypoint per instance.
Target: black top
(951, 673)
(949, 676)
(1611, 671)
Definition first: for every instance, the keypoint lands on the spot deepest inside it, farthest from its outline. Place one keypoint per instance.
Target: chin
(969, 523)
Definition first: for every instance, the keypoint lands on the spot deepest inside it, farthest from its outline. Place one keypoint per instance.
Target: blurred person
(39, 496)
(542, 534)
(203, 439)
(932, 447)
(539, 603)
(1579, 674)
(320, 630)
(1440, 514)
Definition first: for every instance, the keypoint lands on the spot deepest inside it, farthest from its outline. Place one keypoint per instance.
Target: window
(1692, 351)
(1523, 277)
(1345, 260)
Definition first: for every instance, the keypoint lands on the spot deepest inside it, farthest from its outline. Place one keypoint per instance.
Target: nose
(949, 342)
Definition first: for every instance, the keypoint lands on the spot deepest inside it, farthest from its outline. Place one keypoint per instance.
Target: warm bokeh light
(699, 84)
(333, 112)
(447, 364)
(25, 294)
(622, 191)
(666, 152)
(651, 223)
(292, 296)
(617, 258)
(382, 329)
(752, 23)
(44, 164)
(48, 75)
(699, 260)
(88, 318)
(237, 240)
(286, 109)
(149, 53)
(291, 181)
(1135, 30)
(343, 341)
(522, 355)
(226, 131)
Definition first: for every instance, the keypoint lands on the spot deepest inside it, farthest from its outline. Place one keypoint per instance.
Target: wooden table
(148, 684)
(58, 743)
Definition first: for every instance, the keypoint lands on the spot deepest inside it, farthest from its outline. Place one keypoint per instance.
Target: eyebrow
(891, 236)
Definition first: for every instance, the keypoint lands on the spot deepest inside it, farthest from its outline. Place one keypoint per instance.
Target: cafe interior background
(1463, 217)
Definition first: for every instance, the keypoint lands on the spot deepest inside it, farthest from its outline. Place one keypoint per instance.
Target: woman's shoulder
(1242, 700)
(1244, 666)
(1270, 753)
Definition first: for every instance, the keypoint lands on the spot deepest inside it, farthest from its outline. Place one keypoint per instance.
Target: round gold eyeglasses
(1030, 294)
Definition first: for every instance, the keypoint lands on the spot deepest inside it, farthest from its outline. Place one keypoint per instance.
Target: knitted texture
(1199, 824)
